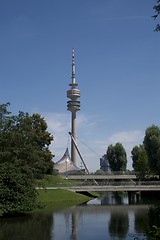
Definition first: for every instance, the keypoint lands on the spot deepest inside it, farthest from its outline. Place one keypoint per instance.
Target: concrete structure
(102, 177)
(73, 105)
(104, 164)
(111, 188)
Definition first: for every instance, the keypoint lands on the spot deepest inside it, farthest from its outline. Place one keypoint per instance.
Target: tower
(73, 105)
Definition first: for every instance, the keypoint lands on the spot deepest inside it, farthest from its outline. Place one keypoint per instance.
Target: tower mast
(73, 106)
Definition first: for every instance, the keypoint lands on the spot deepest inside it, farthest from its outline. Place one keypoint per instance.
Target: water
(111, 217)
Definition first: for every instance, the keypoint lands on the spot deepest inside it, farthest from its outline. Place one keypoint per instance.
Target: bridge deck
(100, 177)
(134, 188)
(110, 188)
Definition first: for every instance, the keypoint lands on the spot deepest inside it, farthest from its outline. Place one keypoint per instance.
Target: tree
(25, 139)
(140, 161)
(157, 13)
(24, 156)
(117, 157)
(154, 223)
(152, 146)
(17, 192)
(35, 144)
(5, 119)
(158, 162)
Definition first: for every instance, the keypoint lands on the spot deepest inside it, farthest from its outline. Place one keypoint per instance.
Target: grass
(57, 195)
(54, 181)
(49, 181)
(58, 198)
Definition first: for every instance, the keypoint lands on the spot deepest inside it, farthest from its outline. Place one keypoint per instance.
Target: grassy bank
(60, 198)
(50, 181)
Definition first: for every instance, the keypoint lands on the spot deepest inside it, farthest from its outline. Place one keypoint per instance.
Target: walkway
(121, 187)
(100, 177)
(111, 188)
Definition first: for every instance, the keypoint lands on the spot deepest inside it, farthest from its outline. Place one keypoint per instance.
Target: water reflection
(74, 235)
(110, 199)
(102, 222)
(108, 218)
(141, 221)
(37, 226)
(119, 224)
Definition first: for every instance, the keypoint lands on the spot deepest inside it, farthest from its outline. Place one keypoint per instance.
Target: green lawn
(60, 198)
(53, 181)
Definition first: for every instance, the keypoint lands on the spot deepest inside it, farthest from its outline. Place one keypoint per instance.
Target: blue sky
(117, 57)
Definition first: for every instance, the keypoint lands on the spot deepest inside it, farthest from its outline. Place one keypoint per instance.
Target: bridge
(108, 183)
(99, 177)
(113, 188)
(109, 187)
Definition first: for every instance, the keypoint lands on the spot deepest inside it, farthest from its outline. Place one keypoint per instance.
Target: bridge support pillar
(133, 197)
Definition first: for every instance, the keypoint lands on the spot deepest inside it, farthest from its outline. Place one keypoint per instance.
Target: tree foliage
(154, 223)
(24, 156)
(146, 157)
(117, 157)
(157, 13)
(140, 160)
(152, 146)
(17, 192)
(25, 139)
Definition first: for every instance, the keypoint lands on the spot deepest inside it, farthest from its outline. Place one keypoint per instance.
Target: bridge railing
(103, 173)
(109, 183)
(115, 173)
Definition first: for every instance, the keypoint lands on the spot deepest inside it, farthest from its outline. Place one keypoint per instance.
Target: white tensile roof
(65, 164)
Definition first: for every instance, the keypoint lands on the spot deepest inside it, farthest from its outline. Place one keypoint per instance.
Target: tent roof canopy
(65, 164)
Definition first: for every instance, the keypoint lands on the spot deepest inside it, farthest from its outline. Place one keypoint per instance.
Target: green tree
(5, 119)
(154, 223)
(25, 139)
(140, 161)
(152, 146)
(34, 143)
(157, 13)
(158, 162)
(24, 155)
(17, 192)
(117, 157)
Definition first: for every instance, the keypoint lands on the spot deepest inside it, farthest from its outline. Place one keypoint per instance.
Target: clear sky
(117, 57)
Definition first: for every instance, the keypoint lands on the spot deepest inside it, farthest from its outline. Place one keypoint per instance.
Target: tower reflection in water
(114, 220)
(120, 221)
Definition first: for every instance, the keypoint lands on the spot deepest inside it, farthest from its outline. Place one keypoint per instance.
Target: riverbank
(60, 198)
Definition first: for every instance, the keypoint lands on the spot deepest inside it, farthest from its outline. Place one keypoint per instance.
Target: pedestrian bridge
(108, 183)
(113, 188)
(99, 177)
(110, 186)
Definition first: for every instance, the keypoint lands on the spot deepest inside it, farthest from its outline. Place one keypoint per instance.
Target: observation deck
(73, 93)
(73, 106)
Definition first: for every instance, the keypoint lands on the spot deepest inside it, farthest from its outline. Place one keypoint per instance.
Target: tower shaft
(73, 130)
(73, 105)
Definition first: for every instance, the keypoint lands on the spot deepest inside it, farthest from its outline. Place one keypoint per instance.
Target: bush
(17, 191)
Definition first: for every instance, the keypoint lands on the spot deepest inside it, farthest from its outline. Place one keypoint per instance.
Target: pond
(110, 217)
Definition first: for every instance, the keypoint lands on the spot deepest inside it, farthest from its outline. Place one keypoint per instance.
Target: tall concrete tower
(73, 105)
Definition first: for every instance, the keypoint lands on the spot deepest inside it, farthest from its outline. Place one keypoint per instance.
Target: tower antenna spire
(73, 84)
(73, 68)
(73, 105)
